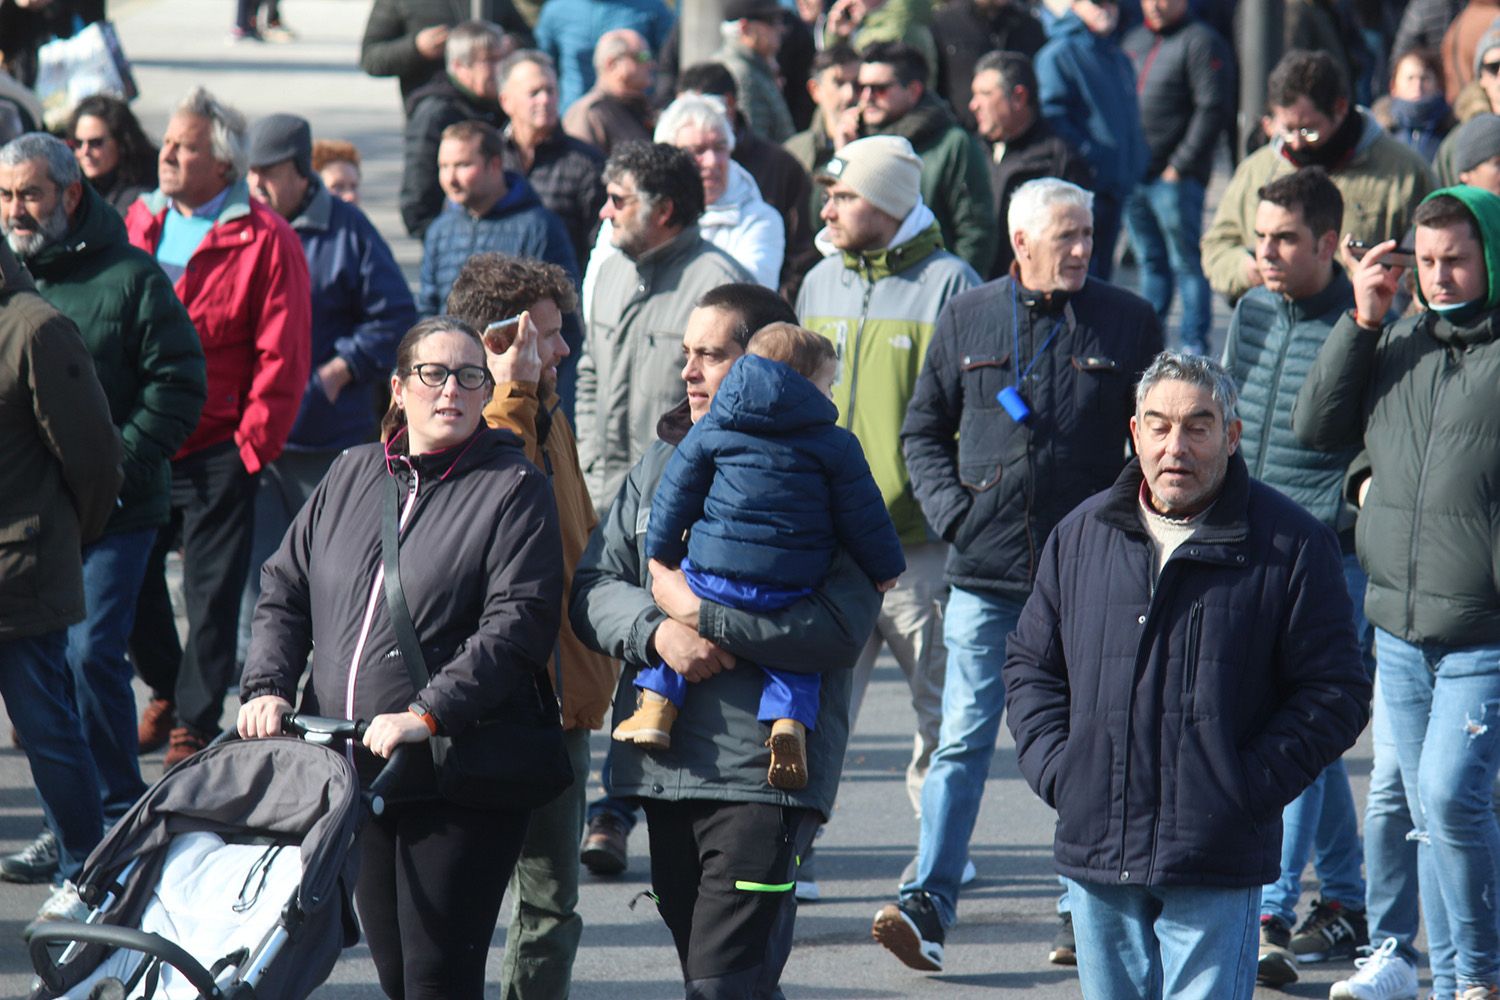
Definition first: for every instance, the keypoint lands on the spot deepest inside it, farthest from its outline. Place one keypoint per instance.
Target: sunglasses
(436, 375)
(95, 143)
(1489, 68)
(876, 88)
(619, 201)
(1307, 135)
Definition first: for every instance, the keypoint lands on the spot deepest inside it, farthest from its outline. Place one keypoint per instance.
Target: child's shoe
(788, 745)
(651, 725)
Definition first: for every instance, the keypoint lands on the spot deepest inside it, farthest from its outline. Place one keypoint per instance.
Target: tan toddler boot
(788, 745)
(651, 724)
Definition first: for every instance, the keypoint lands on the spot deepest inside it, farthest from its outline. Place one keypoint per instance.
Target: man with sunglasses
(1487, 74)
(617, 109)
(1314, 123)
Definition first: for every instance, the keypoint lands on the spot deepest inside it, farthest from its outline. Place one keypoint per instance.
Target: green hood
(1485, 208)
(887, 261)
(95, 227)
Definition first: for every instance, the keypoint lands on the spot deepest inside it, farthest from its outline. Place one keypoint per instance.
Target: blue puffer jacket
(518, 225)
(1169, 725)
(1271, 346)
(769, 484)
(1087, 91)
(361, 307)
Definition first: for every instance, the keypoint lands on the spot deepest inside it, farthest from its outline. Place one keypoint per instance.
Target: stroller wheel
(108, 989)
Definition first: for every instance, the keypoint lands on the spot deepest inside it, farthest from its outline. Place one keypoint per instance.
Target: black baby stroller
(232, 878)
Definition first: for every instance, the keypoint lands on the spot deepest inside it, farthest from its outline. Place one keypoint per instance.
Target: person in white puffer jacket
(737, 219)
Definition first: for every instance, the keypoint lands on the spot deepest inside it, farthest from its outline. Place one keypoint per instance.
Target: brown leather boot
(651, 725)
(185, 743)
(157, 720)
(788, 745)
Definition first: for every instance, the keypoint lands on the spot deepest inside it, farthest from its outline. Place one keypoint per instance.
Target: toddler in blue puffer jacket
(752, 505)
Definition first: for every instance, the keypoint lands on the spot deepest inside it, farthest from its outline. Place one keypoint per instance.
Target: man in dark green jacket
(1423, 396)
(149, 361)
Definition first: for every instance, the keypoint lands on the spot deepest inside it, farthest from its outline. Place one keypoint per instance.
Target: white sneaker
(63, 904)
(1385, 975)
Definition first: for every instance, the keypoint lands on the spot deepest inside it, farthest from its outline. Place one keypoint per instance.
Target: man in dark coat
(405, 38)
(1184, 667)
(966, 30)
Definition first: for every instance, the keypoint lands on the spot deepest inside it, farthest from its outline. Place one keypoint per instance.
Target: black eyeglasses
(436, 375)
(619, 201)
(875, 88)
(1489, 68)
(94, 143)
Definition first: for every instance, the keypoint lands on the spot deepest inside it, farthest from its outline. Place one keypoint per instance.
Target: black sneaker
(37, 862)
(1276, 965)
(604, 850)
(1331, 933)
(1064, 947)
(910, 929)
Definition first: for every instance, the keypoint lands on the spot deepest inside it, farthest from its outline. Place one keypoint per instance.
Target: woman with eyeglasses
(481, 570)
(112, 150)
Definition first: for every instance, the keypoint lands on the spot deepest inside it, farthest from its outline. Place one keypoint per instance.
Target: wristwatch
(420, 711)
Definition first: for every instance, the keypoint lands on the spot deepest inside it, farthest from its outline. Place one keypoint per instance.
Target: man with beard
(148, 360)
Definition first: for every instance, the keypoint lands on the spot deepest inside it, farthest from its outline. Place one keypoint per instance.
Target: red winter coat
(247, 291)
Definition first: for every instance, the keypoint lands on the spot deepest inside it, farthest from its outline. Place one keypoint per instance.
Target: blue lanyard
(1015, 333)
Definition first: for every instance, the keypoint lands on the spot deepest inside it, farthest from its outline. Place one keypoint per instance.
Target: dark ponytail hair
(394, 420)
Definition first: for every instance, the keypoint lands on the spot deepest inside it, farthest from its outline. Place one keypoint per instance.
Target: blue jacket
(1087, 92)
(568, 30)
(518, 225)
(1168, 725)
(769, 484)
(361, 307)
(1271, 346)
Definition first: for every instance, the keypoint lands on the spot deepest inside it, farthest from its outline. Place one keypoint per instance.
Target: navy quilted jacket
(769, 484)
(1168, 725)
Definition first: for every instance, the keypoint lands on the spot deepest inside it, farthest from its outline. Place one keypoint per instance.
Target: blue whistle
(1015, 405)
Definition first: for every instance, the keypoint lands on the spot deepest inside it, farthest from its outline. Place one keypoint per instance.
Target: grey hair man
(148, 360)
(1032, 375)
(240, 270)
(1224, 600)
(617, 109)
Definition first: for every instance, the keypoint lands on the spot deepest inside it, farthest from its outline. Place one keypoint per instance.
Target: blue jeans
(974, 629)
(1322, 821)
(38, 692)
(1184, 942)
(1444, 708)
(113, 568)
(1107, 210)
(1390, 856)
(1165, 222)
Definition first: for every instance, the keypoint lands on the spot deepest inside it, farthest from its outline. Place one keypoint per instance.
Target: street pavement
(1006, 919)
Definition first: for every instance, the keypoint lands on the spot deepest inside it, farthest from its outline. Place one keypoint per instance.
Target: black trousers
(431, 877)
(723, 874)
(213, 512)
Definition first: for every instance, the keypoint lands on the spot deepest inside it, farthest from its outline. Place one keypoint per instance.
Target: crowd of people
(777, 360)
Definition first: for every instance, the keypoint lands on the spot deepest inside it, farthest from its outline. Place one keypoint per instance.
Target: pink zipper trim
(377, 592)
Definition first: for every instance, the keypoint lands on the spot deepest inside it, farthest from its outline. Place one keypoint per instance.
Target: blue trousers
(786, 694)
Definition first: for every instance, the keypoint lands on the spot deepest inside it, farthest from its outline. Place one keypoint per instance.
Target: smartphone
(499, 334)
(1399, 257)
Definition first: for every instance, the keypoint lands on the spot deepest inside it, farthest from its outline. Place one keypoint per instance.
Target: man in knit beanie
(876, 294)
(1477, 153)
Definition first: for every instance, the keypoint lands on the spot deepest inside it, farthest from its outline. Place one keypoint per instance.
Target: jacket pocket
(1190, 656)
(1084, 784)
(19, 548)
(1214, 807)
(983, 376)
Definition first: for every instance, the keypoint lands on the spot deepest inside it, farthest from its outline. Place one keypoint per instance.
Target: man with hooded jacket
(1422, 395)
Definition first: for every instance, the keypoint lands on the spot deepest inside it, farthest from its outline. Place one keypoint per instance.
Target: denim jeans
(38, 692)
(1165, 222)
(1322, 821)
(1390, 856)
(1107, 209)
(1185, 942)
(113, 568)
(1444, 708)
(974, 629)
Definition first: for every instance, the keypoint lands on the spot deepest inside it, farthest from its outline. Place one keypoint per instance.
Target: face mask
(1452, 307)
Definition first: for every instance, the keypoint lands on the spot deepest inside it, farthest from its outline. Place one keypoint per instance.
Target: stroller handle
(328, 731)
(115, 937)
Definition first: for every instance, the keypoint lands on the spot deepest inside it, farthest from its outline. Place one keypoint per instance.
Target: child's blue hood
(760, 396)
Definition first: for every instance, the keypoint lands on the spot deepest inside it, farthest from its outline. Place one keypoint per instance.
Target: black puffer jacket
(481, 567)
(1169, 725)
(1185, 82)
(998, 489)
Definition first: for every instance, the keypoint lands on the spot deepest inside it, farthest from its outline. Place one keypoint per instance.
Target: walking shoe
(36, 862)
(604, 844)
(788, 745)
(1489, 992)
(651, 725)
(237, 35)
(1384, 975)
(909, 873)
(278, 33)
(63, 904)
(156, 725)
(185, 742)
(1332, 932)
(1276, 966)
(1064, 947)
(807, 890)
(910, 929)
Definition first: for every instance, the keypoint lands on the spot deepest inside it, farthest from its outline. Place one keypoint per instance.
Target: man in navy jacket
(1184, 667)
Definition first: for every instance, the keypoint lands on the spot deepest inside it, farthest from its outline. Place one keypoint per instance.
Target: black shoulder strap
(395, 598)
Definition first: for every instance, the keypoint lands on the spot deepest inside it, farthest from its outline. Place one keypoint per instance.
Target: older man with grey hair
(239, 269)
(1032, 374)
(617, 109)
(1185, 666)
(148, 360)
